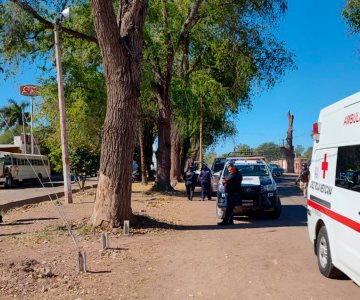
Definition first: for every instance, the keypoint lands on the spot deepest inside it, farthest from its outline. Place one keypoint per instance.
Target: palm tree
(12, 115)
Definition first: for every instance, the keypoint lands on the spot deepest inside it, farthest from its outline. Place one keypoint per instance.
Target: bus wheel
(40, 178)
(324, 256)
(8, 182)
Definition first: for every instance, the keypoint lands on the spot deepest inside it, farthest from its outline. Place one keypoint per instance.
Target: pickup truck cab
(258, 189)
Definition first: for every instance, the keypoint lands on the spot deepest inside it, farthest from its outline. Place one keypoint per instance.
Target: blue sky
(328, 62)
(328, 69)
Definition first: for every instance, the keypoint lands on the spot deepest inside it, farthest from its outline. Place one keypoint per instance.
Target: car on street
(276, 170)
(258, 189)
(216, 169)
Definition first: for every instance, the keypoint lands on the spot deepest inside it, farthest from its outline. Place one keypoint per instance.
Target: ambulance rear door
(346, 208)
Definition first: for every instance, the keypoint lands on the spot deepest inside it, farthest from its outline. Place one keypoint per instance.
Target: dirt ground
(179, 254)
(38, 257)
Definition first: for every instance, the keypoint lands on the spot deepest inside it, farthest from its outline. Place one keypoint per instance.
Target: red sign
(324, 166)
(29, 90)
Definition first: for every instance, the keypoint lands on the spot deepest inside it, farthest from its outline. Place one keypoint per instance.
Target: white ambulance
(334, 189)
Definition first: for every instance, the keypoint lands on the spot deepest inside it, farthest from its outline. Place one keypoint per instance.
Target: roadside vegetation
(171, 66)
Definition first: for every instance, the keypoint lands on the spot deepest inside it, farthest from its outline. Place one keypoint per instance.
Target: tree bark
(163, 154)
(288, 149)
(121, 48)
(175, 171)
(162, 88)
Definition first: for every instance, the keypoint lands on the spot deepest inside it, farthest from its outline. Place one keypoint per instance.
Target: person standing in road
(304, 178)
(190, 181)
(205, 181)
(232, 185)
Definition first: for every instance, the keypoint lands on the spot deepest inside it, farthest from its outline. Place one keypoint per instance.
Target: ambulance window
(348, 168)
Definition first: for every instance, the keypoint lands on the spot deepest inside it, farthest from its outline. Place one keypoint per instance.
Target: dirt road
(196, 259)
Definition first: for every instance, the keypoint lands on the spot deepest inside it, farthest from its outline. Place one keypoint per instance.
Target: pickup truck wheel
(220, 212)
(277, 212)
(324, 256)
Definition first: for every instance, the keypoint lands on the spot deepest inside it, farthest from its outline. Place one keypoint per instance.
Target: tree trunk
(142, 152)
(120, 42)
(288, 149)
(175, 171)
(163, 154)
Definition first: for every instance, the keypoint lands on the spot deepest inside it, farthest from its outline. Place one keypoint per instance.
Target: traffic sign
(29, 90)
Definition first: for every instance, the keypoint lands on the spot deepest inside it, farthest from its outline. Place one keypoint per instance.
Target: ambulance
(333, 198)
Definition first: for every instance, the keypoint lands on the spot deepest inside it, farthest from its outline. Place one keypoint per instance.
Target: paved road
(18, 196)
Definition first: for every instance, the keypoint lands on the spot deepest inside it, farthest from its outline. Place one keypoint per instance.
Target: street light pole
(64, 147)
(32, 123)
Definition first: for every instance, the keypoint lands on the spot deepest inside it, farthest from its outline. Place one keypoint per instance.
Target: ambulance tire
(325, 264)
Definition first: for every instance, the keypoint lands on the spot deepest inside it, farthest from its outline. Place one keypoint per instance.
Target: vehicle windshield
(218, 166)
(250, 170)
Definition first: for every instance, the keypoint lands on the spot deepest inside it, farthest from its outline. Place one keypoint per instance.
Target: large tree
(27, 33)
(270, 150)
(228, 42)
(120, 38)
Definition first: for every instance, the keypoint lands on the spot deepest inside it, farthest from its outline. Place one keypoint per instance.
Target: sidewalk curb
(39, 199)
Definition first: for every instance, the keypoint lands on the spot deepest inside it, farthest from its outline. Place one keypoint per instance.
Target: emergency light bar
(316, 131)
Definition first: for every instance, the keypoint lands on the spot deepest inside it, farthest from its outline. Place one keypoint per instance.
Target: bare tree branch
(27, 8)
(190, 20)
(127, 19)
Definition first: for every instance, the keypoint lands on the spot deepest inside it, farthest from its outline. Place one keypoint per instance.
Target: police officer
(232, 185)
(304, 178)
(190, 181)
(205, 181)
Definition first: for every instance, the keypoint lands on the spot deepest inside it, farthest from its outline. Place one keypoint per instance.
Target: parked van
(334, 189)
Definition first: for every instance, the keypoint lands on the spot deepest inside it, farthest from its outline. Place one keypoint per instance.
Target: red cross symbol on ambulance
(324, 165)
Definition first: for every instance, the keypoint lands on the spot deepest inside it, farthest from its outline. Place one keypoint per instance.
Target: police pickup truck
(259, 189)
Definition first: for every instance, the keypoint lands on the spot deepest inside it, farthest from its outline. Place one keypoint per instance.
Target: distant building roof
(10, 148)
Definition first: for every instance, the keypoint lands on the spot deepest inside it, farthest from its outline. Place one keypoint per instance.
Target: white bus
(334, 189)
(19, 168)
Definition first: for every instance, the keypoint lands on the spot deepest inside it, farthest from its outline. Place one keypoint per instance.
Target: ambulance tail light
(316, 131)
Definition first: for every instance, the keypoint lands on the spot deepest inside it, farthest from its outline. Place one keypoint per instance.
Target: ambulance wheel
(324, 256)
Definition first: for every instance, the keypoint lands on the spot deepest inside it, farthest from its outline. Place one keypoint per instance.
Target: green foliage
(243, 149)
(299, 151)
(84, 161)
(209, 157)
(271, 151)
(229, 50)
(24, 38)
(7, 137)
(13, 115)
(351, 13)
(308, 153)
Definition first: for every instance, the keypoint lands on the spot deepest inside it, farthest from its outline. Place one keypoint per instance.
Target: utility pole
(23, 128)
(201, 133)
(64, 144)
(30, 90)
(32, 123)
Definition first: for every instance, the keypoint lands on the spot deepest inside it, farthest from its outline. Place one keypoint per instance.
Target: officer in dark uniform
(232, 185)
(205, 181)
(190, 182)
